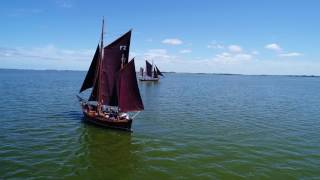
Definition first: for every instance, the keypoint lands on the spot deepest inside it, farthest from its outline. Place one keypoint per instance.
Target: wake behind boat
(115, 90)
(152, 73)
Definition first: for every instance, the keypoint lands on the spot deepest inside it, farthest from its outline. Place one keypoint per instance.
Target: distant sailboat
(152, 73)
(115, 90)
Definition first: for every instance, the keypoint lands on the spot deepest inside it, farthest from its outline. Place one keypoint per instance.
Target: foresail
(129, 95)
(158, 71)
(90, 77)
(94, 96)
(94, 93)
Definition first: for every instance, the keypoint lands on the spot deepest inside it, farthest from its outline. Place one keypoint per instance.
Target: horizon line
(173, 72)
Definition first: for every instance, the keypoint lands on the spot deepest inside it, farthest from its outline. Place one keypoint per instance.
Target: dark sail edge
(94, 96)
(94, 92)
(89, 79)
(159, 72)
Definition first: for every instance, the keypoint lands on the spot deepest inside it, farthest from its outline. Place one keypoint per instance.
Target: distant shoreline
(170, 72)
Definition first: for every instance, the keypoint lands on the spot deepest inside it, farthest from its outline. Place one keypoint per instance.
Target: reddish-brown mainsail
(115, 55)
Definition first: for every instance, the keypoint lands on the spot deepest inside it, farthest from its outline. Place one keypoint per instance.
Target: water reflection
(106, 153)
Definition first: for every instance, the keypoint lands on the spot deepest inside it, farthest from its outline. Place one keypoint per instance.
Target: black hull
(104, 122)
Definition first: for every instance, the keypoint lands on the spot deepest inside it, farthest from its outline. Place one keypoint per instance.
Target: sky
(204, 36)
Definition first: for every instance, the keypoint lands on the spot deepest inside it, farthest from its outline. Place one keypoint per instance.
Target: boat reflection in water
(105, 154)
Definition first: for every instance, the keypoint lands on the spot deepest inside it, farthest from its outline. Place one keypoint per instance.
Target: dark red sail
(149, 69)
(122, 45)
(115, 55)
(155, 73)
(94, 96)
(90, 77)
(129, 94)
(158, 71)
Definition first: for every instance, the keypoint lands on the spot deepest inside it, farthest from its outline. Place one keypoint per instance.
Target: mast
(100, 65)
(152, 66)
(102, 32)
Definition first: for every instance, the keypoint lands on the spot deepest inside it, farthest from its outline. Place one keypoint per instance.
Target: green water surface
(195, 126)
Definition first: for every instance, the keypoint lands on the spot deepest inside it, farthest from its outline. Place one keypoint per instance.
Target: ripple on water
(193, 126)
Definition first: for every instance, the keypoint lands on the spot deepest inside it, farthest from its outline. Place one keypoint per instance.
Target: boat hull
(108, 122)
(124, 125)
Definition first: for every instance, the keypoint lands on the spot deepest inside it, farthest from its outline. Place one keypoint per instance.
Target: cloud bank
(229, 59)
(275, 47)
(172, 41)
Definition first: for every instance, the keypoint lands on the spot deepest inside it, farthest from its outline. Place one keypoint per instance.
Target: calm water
(193, 127)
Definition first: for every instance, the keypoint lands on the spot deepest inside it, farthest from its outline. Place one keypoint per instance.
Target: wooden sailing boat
(114, 86)
(152, 73)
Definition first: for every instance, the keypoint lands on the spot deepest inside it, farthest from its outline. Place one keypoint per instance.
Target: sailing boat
(115, 90)
(152, 73)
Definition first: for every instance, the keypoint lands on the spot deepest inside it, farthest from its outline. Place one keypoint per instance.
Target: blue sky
(247, 37)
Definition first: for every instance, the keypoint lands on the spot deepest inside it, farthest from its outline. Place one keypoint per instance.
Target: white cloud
(235, 48)
(260, 67)
(64, 3)
(185, 51)
(229, 62)
(292, 54)
(255, 52)
(157, 54)
(215, 45)
(173, 41)
(274, 47)
(230, 57)
(234, 54)
(46, 57)
(48, 52)
(160, 57)
(52, 57)
(238, 64)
